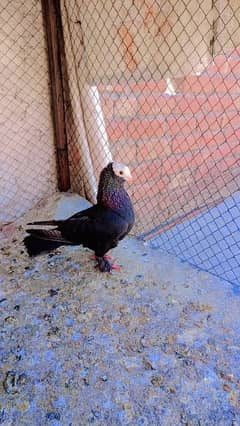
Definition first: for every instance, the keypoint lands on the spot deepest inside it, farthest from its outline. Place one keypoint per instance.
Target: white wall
(27, 159)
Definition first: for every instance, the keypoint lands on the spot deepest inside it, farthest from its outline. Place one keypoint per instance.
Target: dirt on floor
(155, 344)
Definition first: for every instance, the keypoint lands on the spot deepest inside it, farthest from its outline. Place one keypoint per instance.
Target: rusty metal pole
(55, 45)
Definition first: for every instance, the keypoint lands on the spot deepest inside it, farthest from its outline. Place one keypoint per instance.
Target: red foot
(116, 267)
(92, 257)
(104, 265)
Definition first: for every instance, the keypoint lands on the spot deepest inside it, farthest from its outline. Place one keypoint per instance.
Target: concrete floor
(155, 344)
(210, 240)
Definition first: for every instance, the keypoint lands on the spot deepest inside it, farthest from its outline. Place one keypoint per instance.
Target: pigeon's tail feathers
(47, 223)
(35, 246)
(42, 241)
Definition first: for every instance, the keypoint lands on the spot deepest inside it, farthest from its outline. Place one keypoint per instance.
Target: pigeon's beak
(129, 177)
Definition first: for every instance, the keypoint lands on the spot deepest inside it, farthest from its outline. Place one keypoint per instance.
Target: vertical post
(54, 35)
(214, 28)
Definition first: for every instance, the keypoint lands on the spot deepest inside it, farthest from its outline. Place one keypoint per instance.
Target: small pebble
(69, 322)
(23, 406)
(226, 387)
(47, 317)
(69, 383)
(157, 381)
(124, 281)
(10, 319)
(96, 414)
(86, 381)
(53, 292)
(10, 382)
(3, 415)
(53, 415)
(53, 331)
(22, 379)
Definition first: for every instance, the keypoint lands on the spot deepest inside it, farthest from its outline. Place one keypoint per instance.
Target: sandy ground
(155, 344)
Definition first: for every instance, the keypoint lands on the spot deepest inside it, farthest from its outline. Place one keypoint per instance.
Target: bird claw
(116, 268)
(105, 266)
(93, 257)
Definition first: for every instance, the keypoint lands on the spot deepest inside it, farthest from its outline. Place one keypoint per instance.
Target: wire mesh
(162, 80)
(27, 159)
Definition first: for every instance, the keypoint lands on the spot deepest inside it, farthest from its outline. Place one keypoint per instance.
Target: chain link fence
(156, 85)
(27, 158)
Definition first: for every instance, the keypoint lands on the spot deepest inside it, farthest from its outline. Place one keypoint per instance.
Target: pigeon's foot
(105, 266)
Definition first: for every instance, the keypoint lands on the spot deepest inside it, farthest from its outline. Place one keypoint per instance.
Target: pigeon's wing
(58, 223)
(90, 211)
(97, 228)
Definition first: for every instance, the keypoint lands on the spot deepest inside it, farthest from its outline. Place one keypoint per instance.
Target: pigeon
(99, 227)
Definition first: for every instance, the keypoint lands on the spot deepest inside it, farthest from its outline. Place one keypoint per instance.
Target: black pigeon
(99, 227)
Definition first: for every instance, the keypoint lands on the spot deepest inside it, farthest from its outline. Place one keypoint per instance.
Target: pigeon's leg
(94, 257)
(108, 257)
(105, 266)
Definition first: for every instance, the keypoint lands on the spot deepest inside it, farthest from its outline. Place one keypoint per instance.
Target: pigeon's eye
(121, 172)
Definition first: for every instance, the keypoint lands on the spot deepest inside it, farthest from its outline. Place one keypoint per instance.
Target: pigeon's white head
(122, 171)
